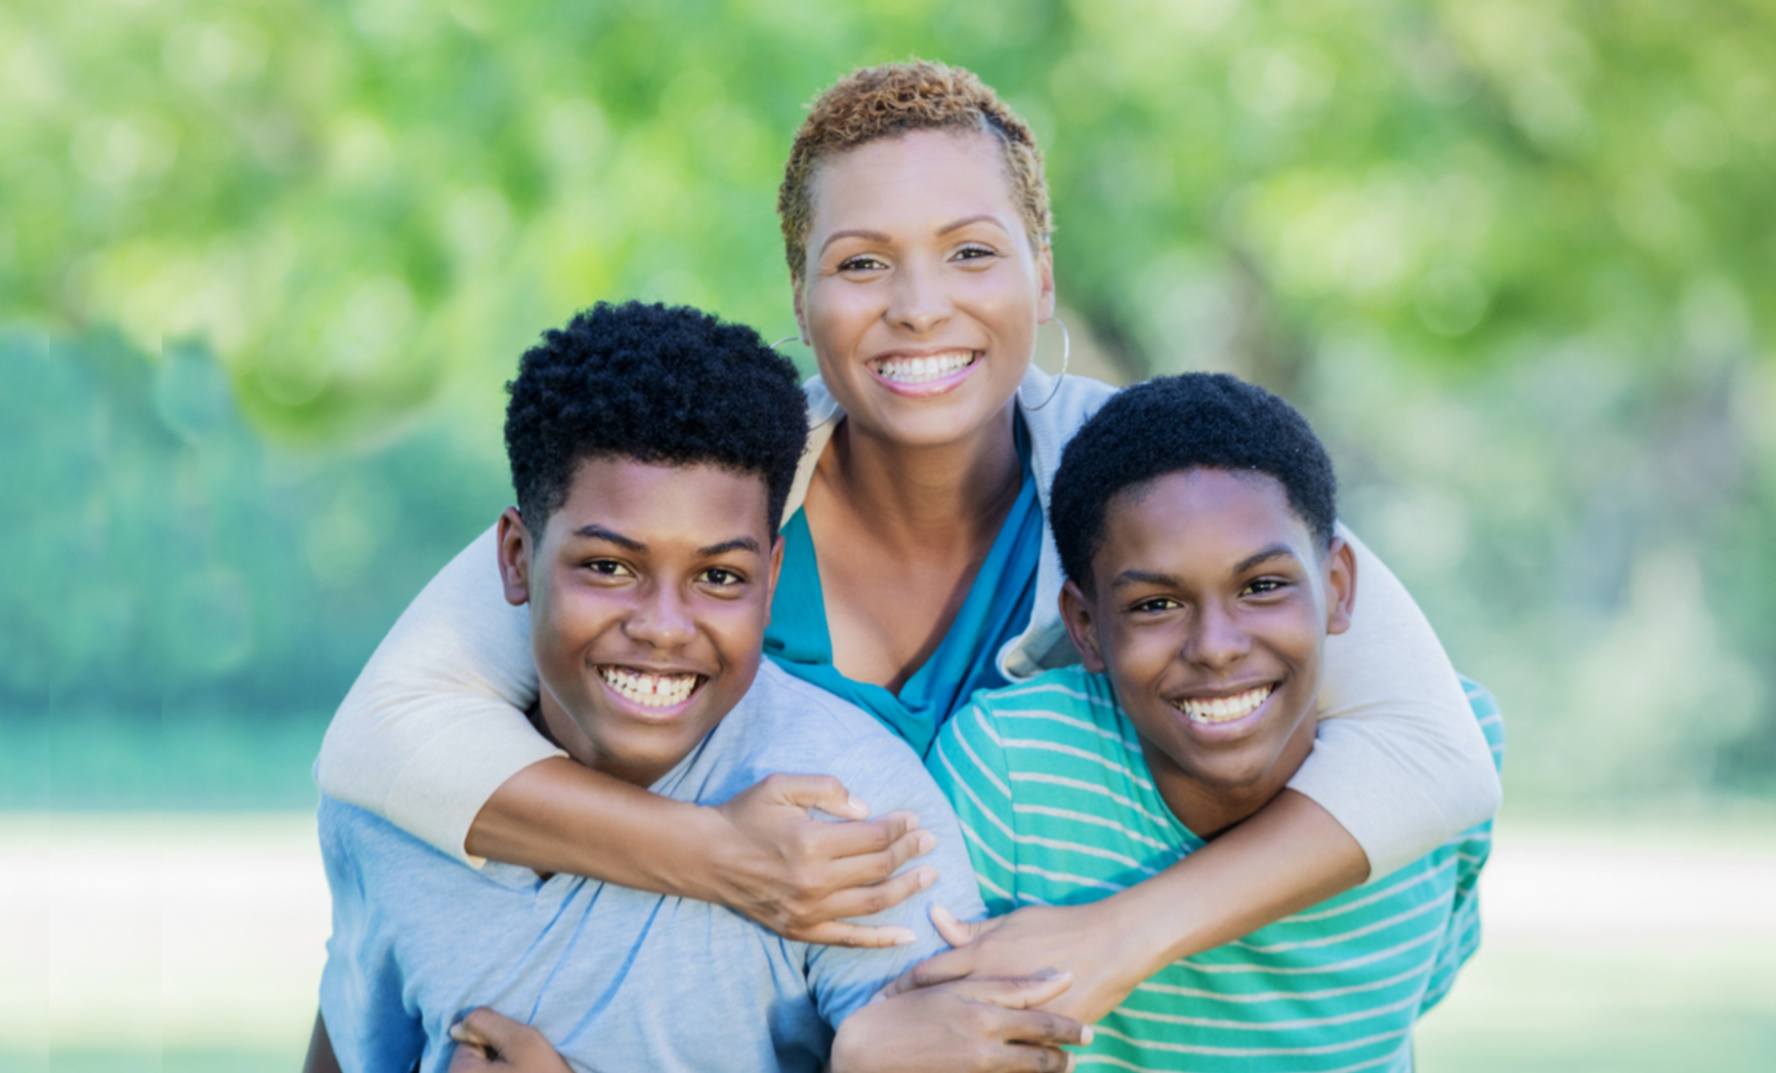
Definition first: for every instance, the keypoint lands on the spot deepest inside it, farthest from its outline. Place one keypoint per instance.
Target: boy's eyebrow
(743, 543)
(1149, 577)
(1275, 551)
(1143, 577)
(609, 536)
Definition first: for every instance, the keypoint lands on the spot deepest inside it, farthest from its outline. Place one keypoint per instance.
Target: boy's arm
(433, 738)
(364, 1022)
(320, 1050)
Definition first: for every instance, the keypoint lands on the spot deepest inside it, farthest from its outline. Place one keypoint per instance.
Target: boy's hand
(487, 1042)
(798, 876)
(973, 1026)
(1083, 940)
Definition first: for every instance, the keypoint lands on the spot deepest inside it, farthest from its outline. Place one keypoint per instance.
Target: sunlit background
(264, 269)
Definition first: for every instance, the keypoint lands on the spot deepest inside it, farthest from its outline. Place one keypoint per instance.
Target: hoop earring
(785, 339)
(1066, 354)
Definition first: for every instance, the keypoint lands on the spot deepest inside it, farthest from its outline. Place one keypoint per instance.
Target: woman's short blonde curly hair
(890, 100)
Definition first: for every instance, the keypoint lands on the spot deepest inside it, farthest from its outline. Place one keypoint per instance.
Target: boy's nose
(1217, 640)
(662, 621)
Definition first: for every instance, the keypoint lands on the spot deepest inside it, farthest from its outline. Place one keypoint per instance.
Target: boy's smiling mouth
(653, 690)
(1228, 708)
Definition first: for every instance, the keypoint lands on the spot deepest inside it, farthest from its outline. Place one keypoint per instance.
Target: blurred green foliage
(264, 268)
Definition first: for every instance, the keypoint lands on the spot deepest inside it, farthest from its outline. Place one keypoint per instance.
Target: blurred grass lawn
(191, 943)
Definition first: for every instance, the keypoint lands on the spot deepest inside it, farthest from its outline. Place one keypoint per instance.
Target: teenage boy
(651, 450)
(1194, 516)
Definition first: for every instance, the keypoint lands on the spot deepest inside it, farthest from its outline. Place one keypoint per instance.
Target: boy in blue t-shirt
(652, 449)
(1194, 516)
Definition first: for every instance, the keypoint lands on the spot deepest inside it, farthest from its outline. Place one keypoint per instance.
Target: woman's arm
(433, 737)
(1399, 764)
(1399, 759)
(1287, 856)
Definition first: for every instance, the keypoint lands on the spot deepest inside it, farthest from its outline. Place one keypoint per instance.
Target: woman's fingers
(937, 969)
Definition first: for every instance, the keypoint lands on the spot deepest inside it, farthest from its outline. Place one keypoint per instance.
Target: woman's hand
(1104, 955)
(971, 1026)
(488, 1042)
(775, 863)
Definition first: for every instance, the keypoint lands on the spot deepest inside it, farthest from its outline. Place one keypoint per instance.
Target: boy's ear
(776, 567)
(1076, 612)
(1341, 585)
(513, 542)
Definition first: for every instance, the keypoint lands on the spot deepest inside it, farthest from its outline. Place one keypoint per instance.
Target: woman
(917, 568)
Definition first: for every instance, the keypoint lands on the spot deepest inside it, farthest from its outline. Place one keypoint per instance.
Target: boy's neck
(555, 724)
(1208, 809)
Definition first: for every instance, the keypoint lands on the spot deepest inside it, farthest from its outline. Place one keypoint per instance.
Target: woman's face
(921, 293)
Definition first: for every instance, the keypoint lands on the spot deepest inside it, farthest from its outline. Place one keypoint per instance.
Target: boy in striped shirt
(1194, 517)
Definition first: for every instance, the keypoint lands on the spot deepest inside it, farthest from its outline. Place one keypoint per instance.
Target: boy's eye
(722, 577)
(1154, 605)
(1265, 585)
(606, 568)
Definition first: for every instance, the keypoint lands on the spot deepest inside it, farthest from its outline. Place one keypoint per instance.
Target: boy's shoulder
(793, 721)
(1067, 707)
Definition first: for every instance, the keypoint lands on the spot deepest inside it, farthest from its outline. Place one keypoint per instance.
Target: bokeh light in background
(263, 270)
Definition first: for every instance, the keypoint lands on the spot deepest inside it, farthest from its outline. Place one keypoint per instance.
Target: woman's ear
(1341, 585)
(1045, 275)
(512, 539)
(1076, 613)
(795, 288)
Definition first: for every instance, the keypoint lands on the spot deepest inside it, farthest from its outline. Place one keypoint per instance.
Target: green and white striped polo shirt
(1058, 807)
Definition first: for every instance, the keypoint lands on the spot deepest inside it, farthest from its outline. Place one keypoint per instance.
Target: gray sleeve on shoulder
(883, 771)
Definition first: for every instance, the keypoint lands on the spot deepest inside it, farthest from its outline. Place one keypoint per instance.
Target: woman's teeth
(921, 370)
(1225, 709)
(650, 690)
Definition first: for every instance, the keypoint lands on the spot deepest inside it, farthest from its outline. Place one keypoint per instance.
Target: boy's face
(1210, 603)
(649, 589)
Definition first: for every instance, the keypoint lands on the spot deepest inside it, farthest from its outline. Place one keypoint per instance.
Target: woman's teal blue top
(996, 610)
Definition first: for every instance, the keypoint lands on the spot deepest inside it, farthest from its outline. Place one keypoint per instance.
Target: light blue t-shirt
(619, 979)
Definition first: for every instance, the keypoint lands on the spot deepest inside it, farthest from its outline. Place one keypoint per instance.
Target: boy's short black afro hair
(659, 384)
(1173, 423)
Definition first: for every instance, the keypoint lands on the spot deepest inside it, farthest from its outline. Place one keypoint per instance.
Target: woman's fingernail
(459, 1033)
(1086, 1036)
(858, 807)
(927, 841)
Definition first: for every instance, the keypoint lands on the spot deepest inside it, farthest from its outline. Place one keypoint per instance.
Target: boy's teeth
(1225, 709)
(920, 370)
(649, 690)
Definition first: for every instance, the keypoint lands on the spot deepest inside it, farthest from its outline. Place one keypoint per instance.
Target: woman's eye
(860, 263)
(975, 253)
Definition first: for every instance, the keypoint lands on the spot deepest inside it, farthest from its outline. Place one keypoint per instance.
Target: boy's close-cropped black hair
(659, 384)
(1174, 423)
